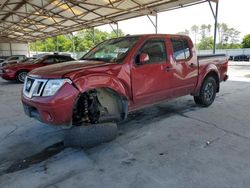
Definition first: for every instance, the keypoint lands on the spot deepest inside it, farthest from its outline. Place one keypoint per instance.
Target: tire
(207, 93)
(90, 136)
(20, 76)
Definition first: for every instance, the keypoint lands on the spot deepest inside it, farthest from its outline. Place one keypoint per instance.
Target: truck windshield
(112, 51)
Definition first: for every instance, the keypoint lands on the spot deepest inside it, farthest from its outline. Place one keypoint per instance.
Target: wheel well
(22, 70)
(99, 104)
(216, 77)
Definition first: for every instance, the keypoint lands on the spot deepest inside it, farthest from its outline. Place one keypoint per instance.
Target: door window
(156, 51)
(50, 60)
(181, 49)
(61, 59)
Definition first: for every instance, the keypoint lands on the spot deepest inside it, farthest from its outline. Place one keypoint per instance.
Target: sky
(235, 13)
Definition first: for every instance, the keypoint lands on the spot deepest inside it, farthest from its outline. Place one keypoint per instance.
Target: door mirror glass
(143, 58)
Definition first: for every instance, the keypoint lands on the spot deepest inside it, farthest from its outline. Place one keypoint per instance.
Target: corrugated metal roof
(30, 20)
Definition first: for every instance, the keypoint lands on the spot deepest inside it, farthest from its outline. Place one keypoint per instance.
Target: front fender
(101, 81)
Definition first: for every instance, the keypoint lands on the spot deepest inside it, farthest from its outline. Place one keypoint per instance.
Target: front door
(151, 80)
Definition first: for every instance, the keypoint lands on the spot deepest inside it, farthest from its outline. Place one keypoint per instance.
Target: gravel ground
(174, 144)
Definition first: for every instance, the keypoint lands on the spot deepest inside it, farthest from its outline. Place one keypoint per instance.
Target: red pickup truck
(121, 75)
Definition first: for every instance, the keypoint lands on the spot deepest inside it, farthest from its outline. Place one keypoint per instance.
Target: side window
(14, 58)
(61, 59)
(181, 49)
(50, 60)
(156, 50)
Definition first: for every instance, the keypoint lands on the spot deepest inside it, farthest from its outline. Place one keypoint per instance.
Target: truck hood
(61, 70)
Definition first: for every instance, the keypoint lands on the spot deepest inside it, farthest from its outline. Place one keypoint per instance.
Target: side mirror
(143, 58)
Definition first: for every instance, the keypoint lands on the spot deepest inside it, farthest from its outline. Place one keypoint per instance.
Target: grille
(33, 87)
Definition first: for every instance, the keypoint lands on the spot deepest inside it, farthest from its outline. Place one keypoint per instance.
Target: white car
(14, 58)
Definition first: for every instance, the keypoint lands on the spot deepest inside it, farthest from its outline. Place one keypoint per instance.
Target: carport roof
(30, 20)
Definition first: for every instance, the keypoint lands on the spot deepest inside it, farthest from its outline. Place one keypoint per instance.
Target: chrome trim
(36, 88)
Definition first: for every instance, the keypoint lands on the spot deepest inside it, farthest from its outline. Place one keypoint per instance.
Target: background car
(27, 60)
(14, 58)
(19, 71)
(242, 58)
(2, 58)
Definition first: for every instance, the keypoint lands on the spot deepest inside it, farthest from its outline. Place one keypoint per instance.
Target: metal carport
(31, 20)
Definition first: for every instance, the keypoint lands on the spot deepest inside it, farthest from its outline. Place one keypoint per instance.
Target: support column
(93, 35)
(28, 49)
(116, 31)
(215, 26)
(11, 49)
(215, 14)
(35, 48)
(73, 45)
(57, 48)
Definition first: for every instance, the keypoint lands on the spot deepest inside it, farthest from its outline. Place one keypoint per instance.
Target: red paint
(142, 85)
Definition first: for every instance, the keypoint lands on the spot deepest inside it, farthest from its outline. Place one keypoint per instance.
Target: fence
(228, 52)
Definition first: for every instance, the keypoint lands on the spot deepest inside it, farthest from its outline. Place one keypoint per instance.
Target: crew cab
(18, 71)
(121, 75)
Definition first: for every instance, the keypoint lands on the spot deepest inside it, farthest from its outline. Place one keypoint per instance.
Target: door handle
(168, 69)
(192, 65)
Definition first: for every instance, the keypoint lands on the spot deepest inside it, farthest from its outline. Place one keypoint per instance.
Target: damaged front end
(99, 106)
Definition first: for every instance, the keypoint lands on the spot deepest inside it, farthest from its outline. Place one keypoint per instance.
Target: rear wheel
(20, 76)
(207, 92)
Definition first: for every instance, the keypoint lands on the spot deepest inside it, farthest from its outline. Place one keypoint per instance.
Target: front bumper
(8, 76)
(54, 110)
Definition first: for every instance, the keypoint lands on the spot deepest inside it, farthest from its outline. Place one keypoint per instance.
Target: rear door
(151, 80)
(185, 66)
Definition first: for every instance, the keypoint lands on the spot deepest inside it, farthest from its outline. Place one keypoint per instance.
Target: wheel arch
(21, 70)
(212, 71)
(109, 91)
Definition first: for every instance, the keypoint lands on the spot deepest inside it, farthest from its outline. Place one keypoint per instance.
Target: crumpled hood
(61, 69)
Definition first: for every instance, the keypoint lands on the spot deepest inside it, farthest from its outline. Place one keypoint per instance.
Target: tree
(228, 37)
(246, 41)
(203, 31)
(186, 32)
(206, 43)
(195, 30)
(83, 41)
(209, 26)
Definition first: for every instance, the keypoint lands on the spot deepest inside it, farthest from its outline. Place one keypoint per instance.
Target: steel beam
(215, 26)
(154, 23)
(115, 30)
(215, 15)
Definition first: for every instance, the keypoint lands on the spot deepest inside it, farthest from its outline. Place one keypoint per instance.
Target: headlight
(52, 86)
(7, 70)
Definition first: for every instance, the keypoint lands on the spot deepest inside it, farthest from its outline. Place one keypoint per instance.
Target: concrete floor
(175, 144)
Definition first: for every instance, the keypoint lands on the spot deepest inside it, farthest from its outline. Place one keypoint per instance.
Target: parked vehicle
(27, 60)
(14, 58)
(19, 71)
(2, 58)
(119, 76)
(231, 58)
(242, 58)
